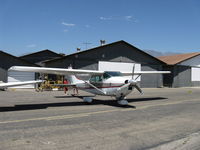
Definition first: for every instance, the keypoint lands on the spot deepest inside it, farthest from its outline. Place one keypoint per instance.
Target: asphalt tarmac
(163, 118)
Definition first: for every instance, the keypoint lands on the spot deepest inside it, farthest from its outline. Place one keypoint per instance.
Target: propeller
(139, 89)
(134, 82)
(130, 83)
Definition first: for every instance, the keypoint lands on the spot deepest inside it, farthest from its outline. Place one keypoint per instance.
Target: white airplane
(12, 84)
(105, 83)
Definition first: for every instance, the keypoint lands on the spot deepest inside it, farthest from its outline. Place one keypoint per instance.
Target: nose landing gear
(121, 100)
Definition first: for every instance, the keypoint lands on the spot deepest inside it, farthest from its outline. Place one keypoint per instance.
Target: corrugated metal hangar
(185, 70)
(118, 56)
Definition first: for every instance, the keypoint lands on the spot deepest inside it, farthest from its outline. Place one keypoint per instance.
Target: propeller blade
(138, 88)
(133, 71)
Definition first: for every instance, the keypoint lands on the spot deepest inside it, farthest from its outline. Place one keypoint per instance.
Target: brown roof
(175, 59)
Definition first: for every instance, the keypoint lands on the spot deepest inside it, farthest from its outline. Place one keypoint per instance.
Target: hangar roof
(16, 58)
(40, 56)
(106, 45)
(175, 59)
(42, 51)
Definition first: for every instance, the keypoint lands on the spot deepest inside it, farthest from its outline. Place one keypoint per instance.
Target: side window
(96, 78)
(93, 79)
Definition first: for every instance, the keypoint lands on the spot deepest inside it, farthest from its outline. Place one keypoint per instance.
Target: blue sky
(63, 25)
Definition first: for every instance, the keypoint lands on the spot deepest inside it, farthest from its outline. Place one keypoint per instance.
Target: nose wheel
(121, 100)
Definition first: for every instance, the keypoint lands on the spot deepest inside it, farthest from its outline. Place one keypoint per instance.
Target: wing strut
(104, 93)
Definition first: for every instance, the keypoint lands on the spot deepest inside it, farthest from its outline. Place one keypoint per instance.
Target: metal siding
(168, 79)
(3, 75)
(195, 83)
(151, 80)
(182, 76)
(18, 76)
(195, 61)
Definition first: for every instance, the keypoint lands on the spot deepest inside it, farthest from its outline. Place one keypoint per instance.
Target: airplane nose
(132, 82)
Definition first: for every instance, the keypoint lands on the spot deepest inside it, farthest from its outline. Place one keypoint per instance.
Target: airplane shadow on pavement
(63, 104)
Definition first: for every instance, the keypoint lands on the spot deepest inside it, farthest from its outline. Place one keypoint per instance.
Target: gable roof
(107, 45)
(42, 51)
(175, 59)
(20, 59)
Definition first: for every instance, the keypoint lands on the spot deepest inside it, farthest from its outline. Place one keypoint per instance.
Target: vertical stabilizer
(73, 79)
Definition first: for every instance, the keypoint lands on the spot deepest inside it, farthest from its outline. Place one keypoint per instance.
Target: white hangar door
(119, 66)
(18, 76)
(195, 74)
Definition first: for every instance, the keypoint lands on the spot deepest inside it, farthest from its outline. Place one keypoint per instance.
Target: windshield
(112, 73)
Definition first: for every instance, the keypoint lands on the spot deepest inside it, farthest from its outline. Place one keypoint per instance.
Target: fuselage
(113, 86)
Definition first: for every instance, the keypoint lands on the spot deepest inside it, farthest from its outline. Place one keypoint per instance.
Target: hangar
(116, 56)
(7, 61)
(185, 70)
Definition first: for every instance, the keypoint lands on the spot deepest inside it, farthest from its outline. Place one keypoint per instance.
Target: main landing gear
(122, 102)
(87, 99)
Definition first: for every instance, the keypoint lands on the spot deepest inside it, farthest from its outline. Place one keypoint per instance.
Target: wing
(60, 71)
(5, 85)
(144, 72)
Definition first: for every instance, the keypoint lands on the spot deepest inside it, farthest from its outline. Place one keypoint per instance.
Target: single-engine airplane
(107, 83)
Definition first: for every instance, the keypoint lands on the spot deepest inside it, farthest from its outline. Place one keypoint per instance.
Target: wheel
(87, 99)
(122, 102)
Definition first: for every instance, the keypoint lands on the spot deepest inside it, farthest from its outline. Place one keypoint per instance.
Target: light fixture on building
(102, 42)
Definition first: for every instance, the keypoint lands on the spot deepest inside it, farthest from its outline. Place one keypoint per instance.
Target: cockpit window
(106, 75)
(96, 78)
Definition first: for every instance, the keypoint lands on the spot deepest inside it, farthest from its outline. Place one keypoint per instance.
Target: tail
(73, 79)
